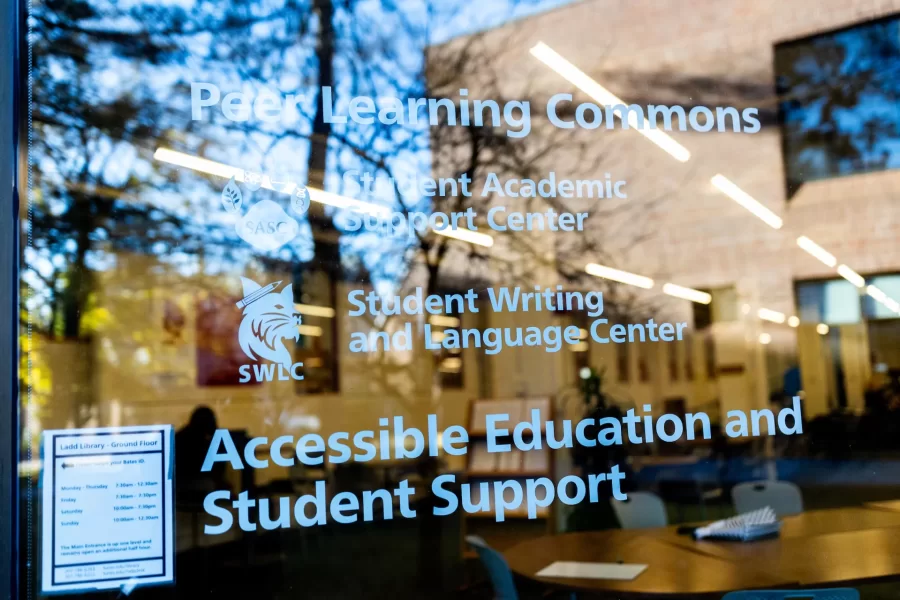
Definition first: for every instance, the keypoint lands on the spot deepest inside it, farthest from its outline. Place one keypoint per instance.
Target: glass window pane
(833, 302)
(354, 299)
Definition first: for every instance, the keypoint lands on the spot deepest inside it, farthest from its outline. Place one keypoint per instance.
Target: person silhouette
(191, 445)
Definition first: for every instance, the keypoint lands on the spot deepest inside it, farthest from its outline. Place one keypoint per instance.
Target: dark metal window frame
(10, 135)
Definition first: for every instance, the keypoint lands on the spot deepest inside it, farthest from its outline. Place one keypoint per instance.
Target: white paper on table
(585, 570)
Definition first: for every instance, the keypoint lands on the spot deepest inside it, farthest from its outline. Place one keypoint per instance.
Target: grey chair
(640, 511)
(784, 497)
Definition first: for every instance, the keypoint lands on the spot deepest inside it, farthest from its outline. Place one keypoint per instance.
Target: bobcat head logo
(269, 319)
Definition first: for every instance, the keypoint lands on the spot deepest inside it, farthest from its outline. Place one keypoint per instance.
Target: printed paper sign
(107, 508)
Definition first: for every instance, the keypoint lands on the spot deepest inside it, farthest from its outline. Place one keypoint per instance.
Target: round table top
(815, 548)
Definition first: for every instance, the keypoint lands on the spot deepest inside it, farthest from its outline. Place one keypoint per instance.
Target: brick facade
(713, 53)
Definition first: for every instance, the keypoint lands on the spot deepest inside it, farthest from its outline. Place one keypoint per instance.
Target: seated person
(191, 445)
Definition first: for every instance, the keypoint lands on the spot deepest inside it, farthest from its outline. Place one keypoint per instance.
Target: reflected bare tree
(112, 84)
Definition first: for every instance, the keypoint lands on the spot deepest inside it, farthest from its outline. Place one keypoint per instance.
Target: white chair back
(784, 497)
(640, 511)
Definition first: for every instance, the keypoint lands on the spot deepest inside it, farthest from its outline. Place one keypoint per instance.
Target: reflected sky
(839, 96)
(112, 86)
(481, 16)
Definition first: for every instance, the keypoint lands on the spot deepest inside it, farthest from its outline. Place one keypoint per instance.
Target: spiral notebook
(749, 526)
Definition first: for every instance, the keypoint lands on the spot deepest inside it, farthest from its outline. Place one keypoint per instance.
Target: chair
(641, 510)
(497, 568)
(826, 594)
(784, 497)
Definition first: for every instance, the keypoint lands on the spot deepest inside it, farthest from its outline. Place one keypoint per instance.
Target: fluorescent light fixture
(793, 321)
(817, 251)
(582, 334)
(851, 276)
(195, 163)
(876, 293)
(745, 309)
(443, 321)
(822, 328)
(728, 187)
(315, 311)
(467, 235)
(617, 275)
(770, 315)
(687, 293)
(883, 298)
(211, 167)
(579, 347)
(589, 86)
(310, 330)
(765, 338)
(323, 197)
(437, 336)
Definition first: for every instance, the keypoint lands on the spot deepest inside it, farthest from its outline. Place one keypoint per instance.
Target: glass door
(354, 299)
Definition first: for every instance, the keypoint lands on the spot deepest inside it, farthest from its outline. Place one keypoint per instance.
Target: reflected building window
(890, 285)
(833, 301)
(838, 102)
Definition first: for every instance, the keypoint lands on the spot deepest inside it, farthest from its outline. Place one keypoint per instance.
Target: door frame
(10, 159)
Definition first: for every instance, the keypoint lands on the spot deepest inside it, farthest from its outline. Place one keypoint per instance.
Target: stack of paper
(748, 526)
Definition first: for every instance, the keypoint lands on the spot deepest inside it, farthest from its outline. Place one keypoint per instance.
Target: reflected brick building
(676, 226)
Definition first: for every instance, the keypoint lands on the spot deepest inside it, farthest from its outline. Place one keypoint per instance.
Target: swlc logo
(270, 372)
(269, 318)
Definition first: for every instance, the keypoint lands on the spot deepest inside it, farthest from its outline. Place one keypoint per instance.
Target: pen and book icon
(254, 296)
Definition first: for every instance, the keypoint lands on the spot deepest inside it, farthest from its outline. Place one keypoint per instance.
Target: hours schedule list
(107, 508)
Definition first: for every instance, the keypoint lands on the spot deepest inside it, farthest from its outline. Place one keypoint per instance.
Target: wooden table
(891, 505)
(817, 548)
